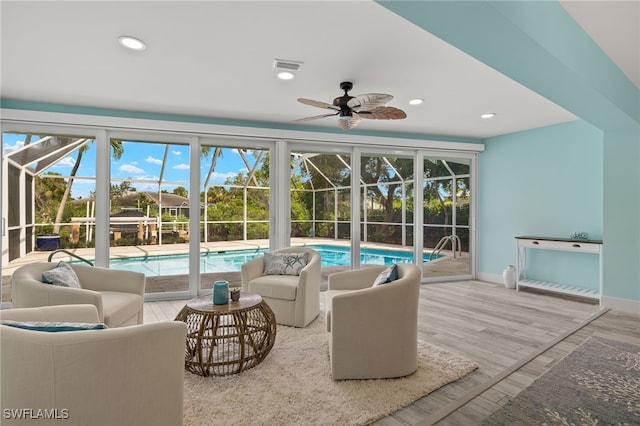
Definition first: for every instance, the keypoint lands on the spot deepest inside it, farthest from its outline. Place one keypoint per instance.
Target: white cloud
(176, 152)
(10, 148)
(181, 167)
(221, 177)
(129, 168)
(144, 186)
(66, 162)
(152, 160)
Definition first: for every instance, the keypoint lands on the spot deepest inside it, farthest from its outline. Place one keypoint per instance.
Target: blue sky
(140, 160)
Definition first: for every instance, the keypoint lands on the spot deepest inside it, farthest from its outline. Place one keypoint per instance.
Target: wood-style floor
(497, 328)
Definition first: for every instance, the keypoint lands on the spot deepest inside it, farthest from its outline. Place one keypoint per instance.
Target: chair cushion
(285, 263)
(275, 286)
(62, 275)
(119, 307)
(53, 327)
(388, 275)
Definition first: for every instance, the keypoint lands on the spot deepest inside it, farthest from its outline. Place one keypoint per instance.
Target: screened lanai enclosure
(169, 205)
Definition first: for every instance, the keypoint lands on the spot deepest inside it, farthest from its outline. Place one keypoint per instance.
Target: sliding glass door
(386, 203)
(149, 211)
(235, 206)
(48, 188)
(447, 213)
(320, 188)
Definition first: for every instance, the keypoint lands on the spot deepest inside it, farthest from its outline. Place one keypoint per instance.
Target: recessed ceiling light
(488, 115)
(132, 43)
(416, 101)
(285, 75)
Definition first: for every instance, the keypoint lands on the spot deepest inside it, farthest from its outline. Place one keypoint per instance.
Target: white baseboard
(490, 278)
(624, 305)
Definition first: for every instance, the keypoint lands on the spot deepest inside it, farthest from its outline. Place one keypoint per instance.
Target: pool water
(232, 260)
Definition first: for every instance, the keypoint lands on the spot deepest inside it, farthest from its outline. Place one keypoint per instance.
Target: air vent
(284, 64)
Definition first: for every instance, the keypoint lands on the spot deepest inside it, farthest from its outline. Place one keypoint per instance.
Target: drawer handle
(576, 245)
(535, 242)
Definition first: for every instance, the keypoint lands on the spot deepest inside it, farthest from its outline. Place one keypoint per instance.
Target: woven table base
(227, 339)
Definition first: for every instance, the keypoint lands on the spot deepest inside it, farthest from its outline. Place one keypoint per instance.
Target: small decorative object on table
(579, 236)
(220, 292)
(235, 293)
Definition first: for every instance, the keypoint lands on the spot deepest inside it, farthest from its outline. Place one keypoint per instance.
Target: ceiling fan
(351, 109)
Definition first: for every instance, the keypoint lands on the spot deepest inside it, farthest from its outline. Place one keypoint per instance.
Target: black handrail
(70, 254)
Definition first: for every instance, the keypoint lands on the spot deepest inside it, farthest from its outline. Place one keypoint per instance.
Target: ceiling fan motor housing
(341, 102)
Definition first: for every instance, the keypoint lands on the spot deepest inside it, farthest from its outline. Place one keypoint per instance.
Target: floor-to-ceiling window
(149, 211)
(234, 196)
(386, 207)
(447, 213)
(48, 186)
(320, 197)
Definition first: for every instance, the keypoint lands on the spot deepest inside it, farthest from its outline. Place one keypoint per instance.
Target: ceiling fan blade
(315, 117)
(368, 101)
(318, 104)
(346, 123)
(383, 113)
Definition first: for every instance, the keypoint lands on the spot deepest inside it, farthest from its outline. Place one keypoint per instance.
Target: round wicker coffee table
(227, 339)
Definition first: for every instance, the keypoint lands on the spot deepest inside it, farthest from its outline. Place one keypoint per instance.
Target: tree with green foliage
(47, 196)
(181, 191)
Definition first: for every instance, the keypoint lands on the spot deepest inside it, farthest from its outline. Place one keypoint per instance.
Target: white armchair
(295, 300)
(117, 295)
(116, 376)
(373, 331)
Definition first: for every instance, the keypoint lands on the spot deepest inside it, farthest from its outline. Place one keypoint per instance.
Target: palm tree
(118, 150)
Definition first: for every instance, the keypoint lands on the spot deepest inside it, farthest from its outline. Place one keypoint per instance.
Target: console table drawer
(577, 246)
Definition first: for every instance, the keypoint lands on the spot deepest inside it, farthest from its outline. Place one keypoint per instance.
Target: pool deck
(445, 266)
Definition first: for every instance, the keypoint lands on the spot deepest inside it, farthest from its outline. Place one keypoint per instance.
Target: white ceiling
(215, 59)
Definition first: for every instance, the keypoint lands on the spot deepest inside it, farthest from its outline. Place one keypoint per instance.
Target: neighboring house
(173, 204)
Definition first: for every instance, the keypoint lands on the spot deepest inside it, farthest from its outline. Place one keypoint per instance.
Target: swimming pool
(232, 260)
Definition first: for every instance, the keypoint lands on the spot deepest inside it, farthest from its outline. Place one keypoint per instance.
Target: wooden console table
(559, 244)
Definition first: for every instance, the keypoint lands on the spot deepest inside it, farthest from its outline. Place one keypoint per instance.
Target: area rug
(293, 386)
(598, 383)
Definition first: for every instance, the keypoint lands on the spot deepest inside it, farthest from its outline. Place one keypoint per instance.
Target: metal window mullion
(103, 183)
(194, 215)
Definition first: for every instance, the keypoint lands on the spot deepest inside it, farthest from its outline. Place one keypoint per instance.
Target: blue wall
(542, 182)
(622, 214)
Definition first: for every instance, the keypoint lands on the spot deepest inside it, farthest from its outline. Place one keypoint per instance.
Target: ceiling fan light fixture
(132, 43)
(416, 101)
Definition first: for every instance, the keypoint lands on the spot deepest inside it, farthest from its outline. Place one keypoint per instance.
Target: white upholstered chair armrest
(251, 270)
(104, 279)
(32, 293)
(355, 279)
(63, 313)
(310, 275)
